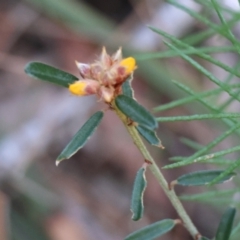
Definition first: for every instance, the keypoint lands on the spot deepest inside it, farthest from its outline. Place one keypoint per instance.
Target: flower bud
(84, 87)
(106, 93)
(84, 69)
(129, 64)
(105, 59)
(117, 56)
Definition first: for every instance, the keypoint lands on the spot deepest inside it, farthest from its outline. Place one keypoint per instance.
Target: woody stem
(159, 176)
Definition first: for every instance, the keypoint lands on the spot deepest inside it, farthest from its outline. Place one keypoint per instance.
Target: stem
(159, 176)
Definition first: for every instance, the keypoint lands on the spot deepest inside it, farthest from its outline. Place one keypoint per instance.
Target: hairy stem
(159, 176)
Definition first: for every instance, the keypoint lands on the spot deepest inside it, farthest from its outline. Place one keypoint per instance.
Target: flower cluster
(104, 77)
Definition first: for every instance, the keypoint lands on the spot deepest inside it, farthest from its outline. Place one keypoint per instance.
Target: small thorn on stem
(178, 221)
(161, 146)
(110, 106)
(198, 236)
(130, 122)
(172, 184)
(148, 161)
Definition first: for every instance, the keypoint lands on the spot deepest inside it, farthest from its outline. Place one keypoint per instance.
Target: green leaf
(190, 99)
(152, 231)
(213, 108)
(50, 74)
(198, 52)
(216, 141)
(198, 117)
(204, 71)
(139, 187)
(197, 16)
(210, 196)
(236, 229)
(150, 136)
(204, 238)
(202, 178)
(171, 53)
(127, 88)
(190, 143)
(230, 169)
(225, 225)
(81, 137)
(225, 28)
(191, 159)
(136, 112)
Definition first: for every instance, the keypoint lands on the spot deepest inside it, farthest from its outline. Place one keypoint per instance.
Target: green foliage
(127, 88)
(235, 230)
(209, 196)
(50, 74)
(198, 117)
(189, 99)
(190, 48)
(199, 53)
(225, 225)
(139, 187)
(152, 231)
(202, 158)
(190, 143)
(202, 178)
(189, 51)
(150, 136)
(226, 172)
(81, 137)
(136, 112)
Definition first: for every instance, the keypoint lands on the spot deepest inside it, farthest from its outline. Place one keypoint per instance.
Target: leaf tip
(161, 146)
(27, 66)
(177, 221)
(59, 159)
(135, 217)
(166, 167)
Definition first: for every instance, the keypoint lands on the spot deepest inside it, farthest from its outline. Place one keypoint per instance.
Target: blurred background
(88, 197)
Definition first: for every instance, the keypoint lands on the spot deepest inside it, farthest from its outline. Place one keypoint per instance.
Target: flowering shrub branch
(109, 78)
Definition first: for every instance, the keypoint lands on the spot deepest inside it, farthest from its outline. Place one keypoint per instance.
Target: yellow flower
(129, 64)
(84, 87)
(104, 77)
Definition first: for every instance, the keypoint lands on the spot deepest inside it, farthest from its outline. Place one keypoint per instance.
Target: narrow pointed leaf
(150, 136)
(127, 88)
(202, 178)
(50, 74)
(139, 187)
(204, 238)
(190, 143)
(225, 225)
(152, 231)
(230, 169)
(210, 196)
(236, 229)
(198, 117)
(81, 137)
(136, 112)
(189, 99)
(194, 159)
